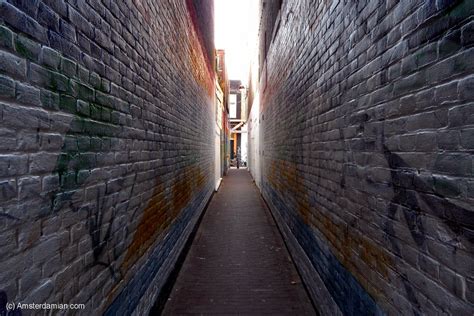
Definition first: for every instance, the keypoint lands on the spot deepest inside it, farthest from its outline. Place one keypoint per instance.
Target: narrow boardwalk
(238, 263)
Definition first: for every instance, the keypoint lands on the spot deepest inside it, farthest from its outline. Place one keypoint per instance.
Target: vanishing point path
(238, 263)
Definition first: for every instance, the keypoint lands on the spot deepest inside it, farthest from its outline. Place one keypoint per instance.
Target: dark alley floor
(238, 263)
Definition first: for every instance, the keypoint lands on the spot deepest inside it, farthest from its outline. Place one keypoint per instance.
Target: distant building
(222, 77)
(238, 118)
(222, 95)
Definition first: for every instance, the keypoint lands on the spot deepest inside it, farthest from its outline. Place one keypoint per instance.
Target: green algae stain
(461, 10)
(26, 48)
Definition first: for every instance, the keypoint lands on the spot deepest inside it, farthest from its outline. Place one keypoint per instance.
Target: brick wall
(367, 139)
(106, 151)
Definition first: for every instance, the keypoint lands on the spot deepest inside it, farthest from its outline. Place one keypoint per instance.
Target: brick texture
(366, 147)
(106, 151)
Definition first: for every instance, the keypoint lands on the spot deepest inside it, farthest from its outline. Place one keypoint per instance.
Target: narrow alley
(238, 263)
(237, 157)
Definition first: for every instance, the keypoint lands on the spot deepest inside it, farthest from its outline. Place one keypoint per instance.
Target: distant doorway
(232, 153)
(217, 162)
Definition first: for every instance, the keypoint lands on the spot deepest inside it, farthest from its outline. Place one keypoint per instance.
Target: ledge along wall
(367, 138)
(106, 151)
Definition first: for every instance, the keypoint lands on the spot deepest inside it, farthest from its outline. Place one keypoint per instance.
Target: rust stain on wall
(182, 192)
(198, 176)
(285, 177)
(201, 67)
(349, 247)
(152, 223)
(162, 210)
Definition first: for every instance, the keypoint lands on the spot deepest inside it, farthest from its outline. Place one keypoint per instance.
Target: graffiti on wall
(410, 197)
(414, 196)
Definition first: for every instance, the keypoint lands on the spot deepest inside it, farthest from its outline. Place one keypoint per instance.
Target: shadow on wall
(6, 307)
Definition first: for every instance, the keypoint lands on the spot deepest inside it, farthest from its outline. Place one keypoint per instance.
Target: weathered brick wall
(106, 148)
(367, 135)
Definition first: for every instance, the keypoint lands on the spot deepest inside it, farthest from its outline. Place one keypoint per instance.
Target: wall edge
(317, 291)
(170, 268)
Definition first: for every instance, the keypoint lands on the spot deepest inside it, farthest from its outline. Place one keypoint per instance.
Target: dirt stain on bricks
(162, 210)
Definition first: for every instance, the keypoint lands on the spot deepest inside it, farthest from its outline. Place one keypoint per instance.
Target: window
(232, 105)
(218, 62)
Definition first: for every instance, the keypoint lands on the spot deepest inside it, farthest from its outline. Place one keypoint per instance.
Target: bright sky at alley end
(233, 26)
